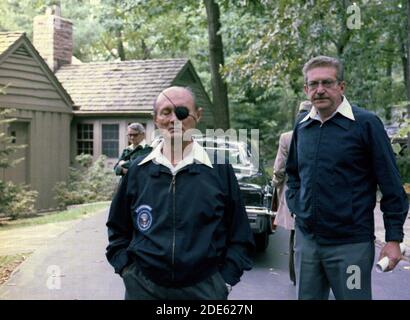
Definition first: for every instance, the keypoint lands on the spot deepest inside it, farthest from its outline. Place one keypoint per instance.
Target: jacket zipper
(315, 209)
(174, 227)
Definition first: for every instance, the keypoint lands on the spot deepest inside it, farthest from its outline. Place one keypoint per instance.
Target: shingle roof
(118, 86)
(7, 39)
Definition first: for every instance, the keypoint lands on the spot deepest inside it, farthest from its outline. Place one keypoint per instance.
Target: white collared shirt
(197, 154)
(143, 143)
(345, 109)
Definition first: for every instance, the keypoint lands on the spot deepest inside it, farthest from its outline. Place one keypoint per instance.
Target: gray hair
(137, 127)
(324, 61)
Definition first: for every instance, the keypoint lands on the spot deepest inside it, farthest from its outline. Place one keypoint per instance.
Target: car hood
(249, 187)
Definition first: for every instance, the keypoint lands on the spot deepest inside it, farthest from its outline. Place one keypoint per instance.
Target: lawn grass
(57, 216)
(10, 263)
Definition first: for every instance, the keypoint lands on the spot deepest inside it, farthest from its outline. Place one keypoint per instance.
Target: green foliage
(90, 182)
(266, 44)
(16, 200)
(401, 148)
(269, 41)
(403, 163)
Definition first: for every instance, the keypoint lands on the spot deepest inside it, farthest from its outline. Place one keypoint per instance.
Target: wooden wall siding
(49, 152)
(27, 83)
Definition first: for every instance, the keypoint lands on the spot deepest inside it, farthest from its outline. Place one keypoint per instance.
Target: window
(110, 140)
(85, 137)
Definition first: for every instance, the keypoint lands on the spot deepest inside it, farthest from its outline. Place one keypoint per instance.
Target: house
(66, 107)
(44, 113)
(110, 95)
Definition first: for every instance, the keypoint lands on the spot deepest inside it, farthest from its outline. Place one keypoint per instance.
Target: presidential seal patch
(143, 217)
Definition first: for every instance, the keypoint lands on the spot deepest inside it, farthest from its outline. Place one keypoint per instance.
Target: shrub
(401, 149)
(89, 182)
(16, 200)
(403, 163)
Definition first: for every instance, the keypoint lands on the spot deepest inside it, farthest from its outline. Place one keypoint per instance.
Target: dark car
(253, 182)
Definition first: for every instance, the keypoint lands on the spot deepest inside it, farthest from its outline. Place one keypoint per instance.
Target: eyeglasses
(133, 135)
(328, 83)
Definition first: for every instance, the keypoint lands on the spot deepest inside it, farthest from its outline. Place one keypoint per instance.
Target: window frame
(85, 139)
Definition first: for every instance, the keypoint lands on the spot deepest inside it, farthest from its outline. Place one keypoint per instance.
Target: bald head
(175, 95)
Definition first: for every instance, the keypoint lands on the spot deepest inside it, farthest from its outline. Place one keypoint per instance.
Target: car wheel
(261, 241)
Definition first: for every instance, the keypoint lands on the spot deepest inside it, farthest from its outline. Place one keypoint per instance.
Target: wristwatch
(229, 287)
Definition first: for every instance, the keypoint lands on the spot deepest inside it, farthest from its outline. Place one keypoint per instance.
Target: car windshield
(238, 154)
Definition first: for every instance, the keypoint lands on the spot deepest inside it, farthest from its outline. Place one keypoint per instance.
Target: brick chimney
(53, 38)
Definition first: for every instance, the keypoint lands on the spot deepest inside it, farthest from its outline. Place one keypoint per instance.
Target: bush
(89, 183)
(16, 200)
(403, 163)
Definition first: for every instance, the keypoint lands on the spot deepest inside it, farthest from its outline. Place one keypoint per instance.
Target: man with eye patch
(339, 156)
(177, 227)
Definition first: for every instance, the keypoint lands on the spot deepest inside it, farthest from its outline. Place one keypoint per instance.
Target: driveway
(70, 266)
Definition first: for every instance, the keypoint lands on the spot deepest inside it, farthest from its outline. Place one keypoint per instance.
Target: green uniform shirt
(128, 155)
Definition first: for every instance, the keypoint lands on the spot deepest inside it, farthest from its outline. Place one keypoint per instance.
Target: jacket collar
(345, 109)
(197, 155)
(142, 145)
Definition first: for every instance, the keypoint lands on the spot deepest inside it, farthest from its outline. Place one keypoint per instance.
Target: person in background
(283, 217)
(137, 147)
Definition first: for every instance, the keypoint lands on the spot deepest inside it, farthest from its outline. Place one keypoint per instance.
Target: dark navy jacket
(334, 170)
(180, 229)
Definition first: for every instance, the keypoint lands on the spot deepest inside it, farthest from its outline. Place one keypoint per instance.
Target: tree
(265, 44)
(407, 65)
(216, 62)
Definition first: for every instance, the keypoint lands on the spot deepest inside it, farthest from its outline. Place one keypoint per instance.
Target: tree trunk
(389, 87)
(146, 53)
(120, 46)
(407, 61)
(216, 60)
(407, 68)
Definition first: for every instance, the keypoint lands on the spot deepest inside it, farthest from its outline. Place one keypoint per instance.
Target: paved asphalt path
(73, 266)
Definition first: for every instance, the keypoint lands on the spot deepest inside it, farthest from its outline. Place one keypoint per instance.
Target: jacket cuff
(118, 170)
(393, 225)
(291, 195)
(228, 276)
(394, 235)
(120, 261)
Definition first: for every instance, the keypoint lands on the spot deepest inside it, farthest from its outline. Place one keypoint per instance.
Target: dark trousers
(139, 287)
(345, 268)
(292, 274)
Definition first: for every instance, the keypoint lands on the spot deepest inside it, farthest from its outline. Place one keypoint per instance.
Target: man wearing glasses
(338, 157)
(177, 227)
(138, 146)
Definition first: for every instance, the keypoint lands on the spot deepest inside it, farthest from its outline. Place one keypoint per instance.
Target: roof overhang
(127, 113)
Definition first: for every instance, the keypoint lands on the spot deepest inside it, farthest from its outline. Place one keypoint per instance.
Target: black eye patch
(181, 112)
